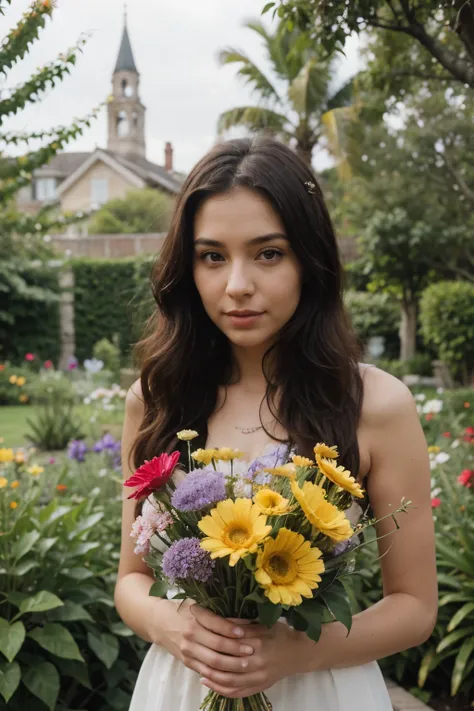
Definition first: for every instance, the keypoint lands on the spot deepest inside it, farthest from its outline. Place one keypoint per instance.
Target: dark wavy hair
(184, 358)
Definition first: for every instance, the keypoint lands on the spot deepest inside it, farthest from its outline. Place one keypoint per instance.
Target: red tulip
(465, 478)
(435, 502)
(152, 475)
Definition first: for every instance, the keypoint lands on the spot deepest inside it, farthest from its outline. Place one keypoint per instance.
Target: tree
(141, 211)
(21, 235)
(413, 222)
(306, 108)
(443, 29)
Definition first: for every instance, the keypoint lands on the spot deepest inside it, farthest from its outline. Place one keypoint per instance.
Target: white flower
(432, 406)
(420, 397)
(442, 457)
(93, 365)
(87, 401)
(440, 391)
(455, 443)
(435, 492)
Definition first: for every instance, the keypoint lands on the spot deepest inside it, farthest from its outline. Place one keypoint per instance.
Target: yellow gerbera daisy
(15, 484)
(288, 470)
(6, 455)
(324, 516)
(12, 379)
(233, 528)
(187, 435)
(204, 456)
(288, 568)
(302, 461)
(271, 502)
(13, 505)
(20, 381)
(434, 449)
(323, 450)
(340, 476)
(3, 482)
(226, 454)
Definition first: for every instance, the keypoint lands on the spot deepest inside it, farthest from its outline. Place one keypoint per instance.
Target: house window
(45, 189)
(99, 191)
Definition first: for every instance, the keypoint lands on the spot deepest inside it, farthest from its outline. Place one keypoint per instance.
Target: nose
(240, 282)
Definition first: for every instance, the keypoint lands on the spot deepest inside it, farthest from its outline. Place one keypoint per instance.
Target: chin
(247, 339)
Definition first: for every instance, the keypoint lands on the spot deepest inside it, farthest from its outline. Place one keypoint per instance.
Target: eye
(271, 255)
(210, 257)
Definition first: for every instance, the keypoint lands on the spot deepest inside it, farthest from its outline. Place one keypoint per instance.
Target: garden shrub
(61, 639)
(375, 315)
(447, 322)
(109, 354)
(15, 384)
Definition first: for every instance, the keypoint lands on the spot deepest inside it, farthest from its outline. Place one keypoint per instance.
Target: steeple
(126, 113)
(125, 60)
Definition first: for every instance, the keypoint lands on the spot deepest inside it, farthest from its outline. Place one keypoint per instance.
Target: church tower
(126, 113)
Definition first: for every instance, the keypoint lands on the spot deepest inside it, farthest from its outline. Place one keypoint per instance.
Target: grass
(14, 426)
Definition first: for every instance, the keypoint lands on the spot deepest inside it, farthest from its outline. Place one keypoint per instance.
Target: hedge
(447, 323)
(375, 315)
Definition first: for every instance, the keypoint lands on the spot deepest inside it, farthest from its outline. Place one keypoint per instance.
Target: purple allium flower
(275, 458)
(199, 489)
(77, 450)
(186, 559)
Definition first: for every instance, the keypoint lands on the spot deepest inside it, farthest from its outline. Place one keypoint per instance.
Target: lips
(244, 313)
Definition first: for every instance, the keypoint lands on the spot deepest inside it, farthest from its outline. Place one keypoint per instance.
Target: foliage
(15, 384)
(447, 321)
(444, 664)
(51, 384)
(307, 109)
(55, 424)
(374, 315)
(62, 640)
(442, 32)
(105, 305)
(109, 353)
(139, 212)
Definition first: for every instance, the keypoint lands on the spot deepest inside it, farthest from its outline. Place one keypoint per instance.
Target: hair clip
(311, 187)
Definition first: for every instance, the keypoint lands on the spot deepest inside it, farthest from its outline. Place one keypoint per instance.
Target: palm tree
(305, 109)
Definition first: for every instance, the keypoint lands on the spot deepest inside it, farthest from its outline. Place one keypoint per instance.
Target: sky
(175, 45)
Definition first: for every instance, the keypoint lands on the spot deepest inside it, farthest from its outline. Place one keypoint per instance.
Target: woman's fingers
(222, 645)
(219, 662)
(214, 623)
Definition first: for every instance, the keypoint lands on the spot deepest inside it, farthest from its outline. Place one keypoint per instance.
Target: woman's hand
(207, 643)
(278, 652)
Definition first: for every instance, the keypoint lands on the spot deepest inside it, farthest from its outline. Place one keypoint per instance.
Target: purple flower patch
(186, 559)
(201, 488)
(77, 450)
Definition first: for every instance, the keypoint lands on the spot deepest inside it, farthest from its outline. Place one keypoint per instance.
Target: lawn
(13, 422)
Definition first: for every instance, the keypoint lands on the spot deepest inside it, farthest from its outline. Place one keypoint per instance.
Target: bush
(15, 384)
(375, 315)
(109, 354)
(442, 666)
(447, 322)
(60, 547)
(139, 212)
(55, 424)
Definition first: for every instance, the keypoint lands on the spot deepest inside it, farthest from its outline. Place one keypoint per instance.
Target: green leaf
(69, 612)
(460, 664)
(459, 616)
(454, 637)
(338, 604)
(24, 545)
(159, 588)
(268, 613)
(425, 666)
(40, 602)
(10, 675)
(249, 561)
(256, 596)
(56, 639)
(299, 623)
(12, 637)
(24, 567)
(105, 647)
(43, 682)
(45, 544)
(75, 670)
(268, 7)
(80, 573)
(86, 524)
(121, 630)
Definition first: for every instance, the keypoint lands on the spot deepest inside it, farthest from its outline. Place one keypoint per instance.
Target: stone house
(85, 181)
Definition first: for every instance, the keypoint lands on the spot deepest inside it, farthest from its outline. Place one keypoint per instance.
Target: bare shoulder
(134, 402)
(385, 397)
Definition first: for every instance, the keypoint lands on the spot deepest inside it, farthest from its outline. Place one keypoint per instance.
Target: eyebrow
(262, 239)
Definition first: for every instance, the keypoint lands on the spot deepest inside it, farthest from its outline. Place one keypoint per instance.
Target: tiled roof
(61, 165)
(151, 172)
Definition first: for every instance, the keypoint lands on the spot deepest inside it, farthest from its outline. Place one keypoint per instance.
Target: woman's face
(246, 273)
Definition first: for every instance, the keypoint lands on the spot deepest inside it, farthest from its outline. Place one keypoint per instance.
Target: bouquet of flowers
(259, 542)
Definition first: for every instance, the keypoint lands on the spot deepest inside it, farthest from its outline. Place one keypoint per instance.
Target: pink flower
(435, 502)
(465, 478)
(48, 364)
(152, 475)
(29, 356)
(51, 460)
(146, 525)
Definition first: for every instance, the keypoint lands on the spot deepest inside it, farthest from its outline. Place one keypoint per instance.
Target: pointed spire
(125, 60)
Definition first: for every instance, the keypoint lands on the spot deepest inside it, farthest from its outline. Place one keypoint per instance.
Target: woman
(250, 346)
